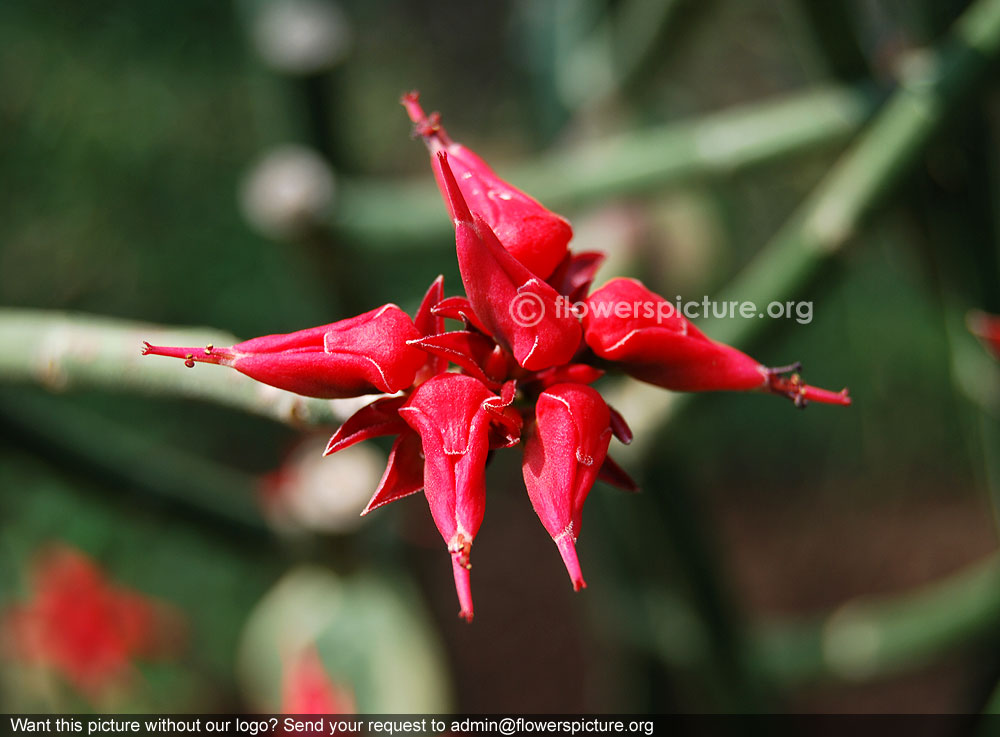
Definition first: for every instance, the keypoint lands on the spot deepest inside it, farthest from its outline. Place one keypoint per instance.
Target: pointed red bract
(613, 474)
(404, 473)
(627, 323)
(428, 322)
(459, 308)
(520, 310)
(562, 456)
(620, 427)
(533, 235)
(506, 422)
(367, 354)
(374, 420)
(454, 426)
(575, 274)
(466, 349)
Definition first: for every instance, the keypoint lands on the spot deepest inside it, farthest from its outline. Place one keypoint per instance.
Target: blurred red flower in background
(85, 628)
(986, 327)
(306, 687)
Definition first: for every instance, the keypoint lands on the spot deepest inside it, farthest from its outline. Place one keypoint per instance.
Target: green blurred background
(138, 141)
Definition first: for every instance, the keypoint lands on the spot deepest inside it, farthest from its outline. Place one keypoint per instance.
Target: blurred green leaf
(372, 635)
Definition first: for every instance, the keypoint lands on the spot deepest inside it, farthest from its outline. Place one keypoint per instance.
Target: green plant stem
(859, 640)
(932, 85)
(67, 351)
(935, 82)
(679, 522)
(61, 351)
(181, 479)
(401, 214)
(864, 638)
(596, 64)
(875, 636)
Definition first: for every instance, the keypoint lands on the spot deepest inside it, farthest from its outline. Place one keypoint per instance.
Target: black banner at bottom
(502, 725)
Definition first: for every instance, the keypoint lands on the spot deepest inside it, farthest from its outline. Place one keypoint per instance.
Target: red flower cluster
(524, 364)
(84, 627)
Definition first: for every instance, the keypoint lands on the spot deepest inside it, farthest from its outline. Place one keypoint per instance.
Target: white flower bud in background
(320, 494)
(615, 230)
(301, 36)
(288, 191)
(343, 409)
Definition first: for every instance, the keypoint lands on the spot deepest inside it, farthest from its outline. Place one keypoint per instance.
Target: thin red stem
(426, 126)
(801, 393)
(190, 355)
(463, 586)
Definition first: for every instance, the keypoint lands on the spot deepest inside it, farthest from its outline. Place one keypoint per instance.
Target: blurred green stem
(873, 636)
(863, 638)
(61, 351)
(859, 640)
(406, 214)
(65, 351)
(593, 65)
(933, 83)
(866, 637)
(179, 478)
(679, 522)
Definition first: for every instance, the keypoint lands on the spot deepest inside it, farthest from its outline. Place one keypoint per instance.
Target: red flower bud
(519, 309)
(627, 323)
(562, 457)
(367, 354)
(535, 236)
(450, 413)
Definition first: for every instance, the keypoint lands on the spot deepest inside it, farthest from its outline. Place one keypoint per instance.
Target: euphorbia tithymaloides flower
(522, 360)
